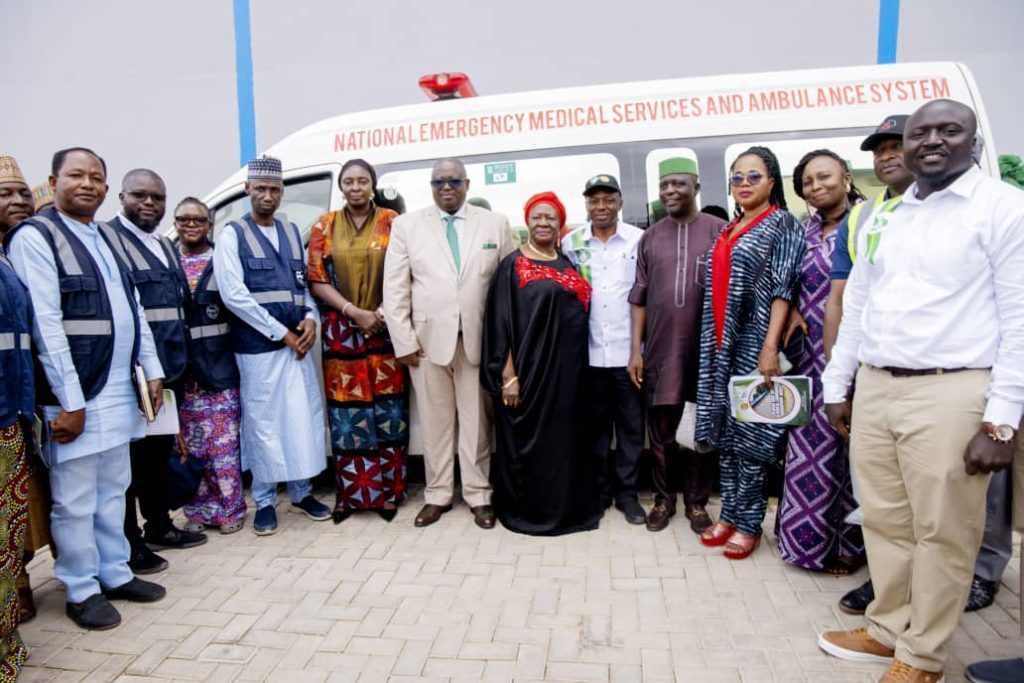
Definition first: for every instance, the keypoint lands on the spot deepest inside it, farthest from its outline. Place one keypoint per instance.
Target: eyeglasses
(143, 196)
(192, 220)
(753, 178)
(450, 182)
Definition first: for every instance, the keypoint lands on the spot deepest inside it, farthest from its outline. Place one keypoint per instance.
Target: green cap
(677, 165)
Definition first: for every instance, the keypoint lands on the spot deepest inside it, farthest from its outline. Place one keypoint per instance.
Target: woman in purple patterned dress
(817, 494)
(210, 415)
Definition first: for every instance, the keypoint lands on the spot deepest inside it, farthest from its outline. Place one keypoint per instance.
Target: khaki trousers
(444, 392)
(923, 515)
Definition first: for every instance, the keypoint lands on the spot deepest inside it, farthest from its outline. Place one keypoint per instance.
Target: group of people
(578, 337)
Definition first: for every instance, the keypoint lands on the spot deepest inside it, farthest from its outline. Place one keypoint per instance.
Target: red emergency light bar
(447, 86)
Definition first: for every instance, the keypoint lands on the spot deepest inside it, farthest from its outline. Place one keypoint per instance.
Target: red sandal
(719, 533)
(744, 544)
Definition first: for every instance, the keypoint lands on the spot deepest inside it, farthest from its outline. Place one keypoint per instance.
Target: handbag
(183, 478)
(686, 432)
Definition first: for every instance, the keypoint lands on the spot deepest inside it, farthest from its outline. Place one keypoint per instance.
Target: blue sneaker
(265, 522)
(312, 508)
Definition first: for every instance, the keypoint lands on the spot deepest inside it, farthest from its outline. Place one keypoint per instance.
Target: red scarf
(721, 269)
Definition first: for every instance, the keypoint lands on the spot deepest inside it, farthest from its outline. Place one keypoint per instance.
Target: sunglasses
(753, 178)
(143, 196)
(193, 220)
(450, 182)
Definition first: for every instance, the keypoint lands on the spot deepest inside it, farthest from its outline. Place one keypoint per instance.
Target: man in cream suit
(438, 267)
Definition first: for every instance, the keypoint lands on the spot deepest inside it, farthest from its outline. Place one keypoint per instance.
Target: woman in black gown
(534, 356)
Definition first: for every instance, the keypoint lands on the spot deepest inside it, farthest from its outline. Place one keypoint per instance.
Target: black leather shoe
(145, 561)
(997, 671)
(136, 590)
(94, 613)
(857, 600)
(633, 512)
(387, 514)
(983, 594)
(174, 539)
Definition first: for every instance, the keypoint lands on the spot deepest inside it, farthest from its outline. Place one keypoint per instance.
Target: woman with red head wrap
(534, 356)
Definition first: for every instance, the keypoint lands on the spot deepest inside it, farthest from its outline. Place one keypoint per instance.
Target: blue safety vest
(275, 277)
(17, 391)
(85, 305)
(162, 292)
(211, 359)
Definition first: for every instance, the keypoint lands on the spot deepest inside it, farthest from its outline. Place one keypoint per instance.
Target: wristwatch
(1004, 434)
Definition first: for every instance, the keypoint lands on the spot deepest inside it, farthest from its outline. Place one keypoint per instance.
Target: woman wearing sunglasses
(367, 399)
(210, 411)
(753, 270)
(817, 495)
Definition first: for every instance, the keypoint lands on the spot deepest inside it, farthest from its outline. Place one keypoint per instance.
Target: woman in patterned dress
(753, 270)
(17, 400)
(817, 494)
(367, 401)
(210, 418)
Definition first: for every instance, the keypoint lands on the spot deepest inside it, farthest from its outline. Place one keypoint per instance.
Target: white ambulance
(518, 144)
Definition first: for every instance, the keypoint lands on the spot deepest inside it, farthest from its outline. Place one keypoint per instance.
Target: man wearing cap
(933, 329)
(260, 269)
(43, 196)
(162, 288)
(90, 333)
(886, 145)
(665, 307)
(604, 251)
(437, 272)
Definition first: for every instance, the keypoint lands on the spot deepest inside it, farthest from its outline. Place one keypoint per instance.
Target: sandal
(26, 604)
(843, 565)
(741, 545)
(231, 528)
(718, 534)
(194, 527)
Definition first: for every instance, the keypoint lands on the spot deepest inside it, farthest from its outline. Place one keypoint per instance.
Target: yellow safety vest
(859, 218)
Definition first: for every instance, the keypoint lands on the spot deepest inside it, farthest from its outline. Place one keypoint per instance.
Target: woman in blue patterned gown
(753, 270)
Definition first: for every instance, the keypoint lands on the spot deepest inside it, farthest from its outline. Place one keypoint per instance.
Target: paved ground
(370, 601)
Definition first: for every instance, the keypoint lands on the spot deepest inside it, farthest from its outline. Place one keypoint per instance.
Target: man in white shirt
(604, 252)
(162, 288)
(90, 332)
(933, 317)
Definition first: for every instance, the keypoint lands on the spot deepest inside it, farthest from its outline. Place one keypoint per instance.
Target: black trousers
(616, 407)
(149, 487)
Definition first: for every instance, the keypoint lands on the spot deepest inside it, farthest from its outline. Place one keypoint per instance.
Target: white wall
(153, 83)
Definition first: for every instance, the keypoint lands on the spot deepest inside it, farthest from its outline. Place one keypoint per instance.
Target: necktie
(453, 240)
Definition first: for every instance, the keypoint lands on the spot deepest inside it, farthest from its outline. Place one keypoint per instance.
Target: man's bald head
(938, 142)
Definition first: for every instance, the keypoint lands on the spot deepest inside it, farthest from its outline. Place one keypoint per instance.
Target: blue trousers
(742, 485)
(87, 521)
(265, 493)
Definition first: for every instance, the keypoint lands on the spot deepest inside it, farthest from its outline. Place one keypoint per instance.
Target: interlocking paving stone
(369, 601)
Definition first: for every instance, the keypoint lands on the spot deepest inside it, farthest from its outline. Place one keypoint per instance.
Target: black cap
(601, 182)
(892, 127)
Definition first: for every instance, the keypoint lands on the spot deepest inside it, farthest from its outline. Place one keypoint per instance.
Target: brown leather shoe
(901, 672)
(431, 513)
(700, 520)
(657, 518)
(483, 516)
(855, 646)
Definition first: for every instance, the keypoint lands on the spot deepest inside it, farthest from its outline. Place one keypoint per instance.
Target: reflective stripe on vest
(257, 250)
(7, 341)
(88, 327)
(250, 240)
(277, 296)
(209, 331)
(68, 260)
(162, 315)
(857, 220)
(118, 246)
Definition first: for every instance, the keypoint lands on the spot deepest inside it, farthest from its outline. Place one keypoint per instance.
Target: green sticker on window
(500, 174)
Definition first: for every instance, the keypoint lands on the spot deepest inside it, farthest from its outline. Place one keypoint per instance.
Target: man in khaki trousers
(437, 271)
(933, 328)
